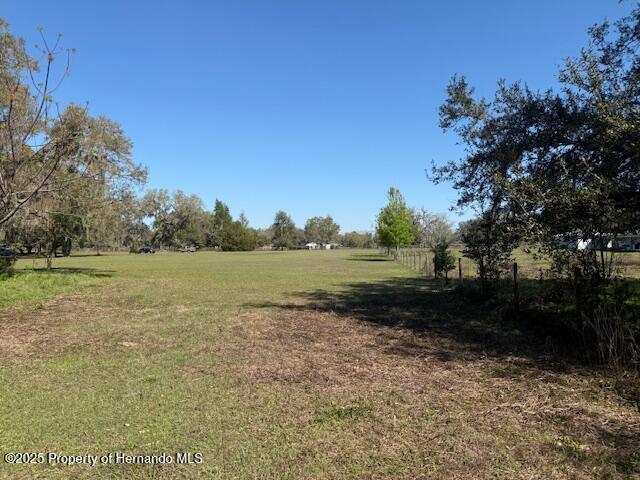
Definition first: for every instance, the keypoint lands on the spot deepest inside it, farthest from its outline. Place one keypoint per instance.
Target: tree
(495, 135)
(394, 223)
(321, 230)
(583, 179)
(554, 168)
(358, 240)
(443, 260)
(238, 237)
(42, 153)
(178, 219)
(283, 230)
(221, 218)
(189, 219)
(431, 229)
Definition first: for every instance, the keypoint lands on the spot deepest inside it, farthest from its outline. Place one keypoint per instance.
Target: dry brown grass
(43, 331)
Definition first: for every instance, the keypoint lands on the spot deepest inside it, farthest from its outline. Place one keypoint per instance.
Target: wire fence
(528, 267)
(524, 278)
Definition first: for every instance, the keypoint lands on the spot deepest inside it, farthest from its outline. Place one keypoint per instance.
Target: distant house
(628, 243)
(311, 246)
(623, 243)
(266, 247)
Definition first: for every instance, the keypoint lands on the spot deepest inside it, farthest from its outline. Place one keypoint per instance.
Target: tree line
(67, 178)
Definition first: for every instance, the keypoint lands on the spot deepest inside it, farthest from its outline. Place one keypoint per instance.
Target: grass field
(318, 365)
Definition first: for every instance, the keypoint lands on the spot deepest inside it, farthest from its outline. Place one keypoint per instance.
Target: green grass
(26, 287)
(285, 365)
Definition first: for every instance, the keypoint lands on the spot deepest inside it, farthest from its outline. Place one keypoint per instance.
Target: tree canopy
(283, 230)
(395, 227)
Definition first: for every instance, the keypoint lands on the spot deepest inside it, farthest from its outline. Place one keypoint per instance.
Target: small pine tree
(443, 260)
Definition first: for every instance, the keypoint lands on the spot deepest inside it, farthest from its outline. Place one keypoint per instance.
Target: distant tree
(158, 205)
(263, 236)
(321, 230)
(244, 221)
(358, 240)
(178, 219)
(431, 229)
(238, 237)
(312, 229)
(189, 219)
(395, 227)
(221, 218)
(283, 230)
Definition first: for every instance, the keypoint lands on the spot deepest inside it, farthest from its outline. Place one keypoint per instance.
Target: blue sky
(313, 107)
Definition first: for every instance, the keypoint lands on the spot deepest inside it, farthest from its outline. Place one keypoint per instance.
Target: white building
(628, 243)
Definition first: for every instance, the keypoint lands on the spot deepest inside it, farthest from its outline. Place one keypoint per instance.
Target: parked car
(8, 252)
(146, 250)
(191, 249)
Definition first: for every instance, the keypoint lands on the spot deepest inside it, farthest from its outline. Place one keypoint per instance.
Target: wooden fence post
(516, 299)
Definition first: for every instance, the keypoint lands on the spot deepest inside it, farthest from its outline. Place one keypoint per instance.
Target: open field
(306, 364)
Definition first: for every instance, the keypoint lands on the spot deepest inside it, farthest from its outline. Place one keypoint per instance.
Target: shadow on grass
(448, 327)
(90, 272)
(368, 257)
(425, 307)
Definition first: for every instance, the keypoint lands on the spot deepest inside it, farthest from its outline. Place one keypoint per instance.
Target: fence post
(460, 269)
(578, 286)
(516, 299)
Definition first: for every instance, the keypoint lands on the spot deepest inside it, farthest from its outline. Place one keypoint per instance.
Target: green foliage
(237, 237)
(47, 159)
(6, 264)
(443, 260)
(431, 229)
(358, 240)
(394, 224)
(489, 242)
(28, 287)
(220, 219)
(321, 230)
(283, 230)
(554, 168)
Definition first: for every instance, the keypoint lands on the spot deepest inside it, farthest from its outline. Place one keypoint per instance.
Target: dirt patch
(41, 330)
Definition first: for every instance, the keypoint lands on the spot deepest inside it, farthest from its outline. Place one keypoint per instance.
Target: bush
(443, 260)
(613, 328)
(6, 263)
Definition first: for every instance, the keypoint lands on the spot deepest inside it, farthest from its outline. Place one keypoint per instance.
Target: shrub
(6, 263)
(613, 328)
(443, 260)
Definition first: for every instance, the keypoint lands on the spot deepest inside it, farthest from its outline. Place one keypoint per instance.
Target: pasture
(303, 364)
